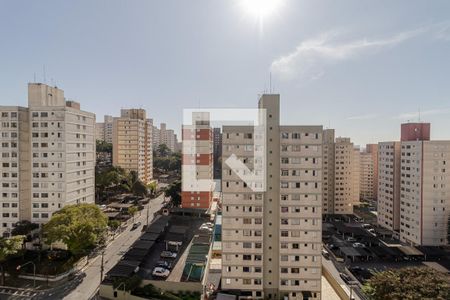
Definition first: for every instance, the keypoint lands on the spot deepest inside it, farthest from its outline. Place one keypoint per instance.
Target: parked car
(135, 225)
(205, 227)
(164, 264)
(351, 239)
(358, 245)
(168, 254)
(366, 226)
(345, 277)
(372, 232)
(160, 272)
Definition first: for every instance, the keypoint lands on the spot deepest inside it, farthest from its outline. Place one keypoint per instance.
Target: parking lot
(359, 249)
(185, 229)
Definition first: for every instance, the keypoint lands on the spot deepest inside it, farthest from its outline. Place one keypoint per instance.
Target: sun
(261, 8)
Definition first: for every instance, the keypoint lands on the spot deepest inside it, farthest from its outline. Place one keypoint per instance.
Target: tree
(162, 151)
(134, 185)
(102, 146)
(408, 283)
(132, 211)
(80, 227)
(174, 192)
(113, 224)
(24, 228)
(9, 247)
(130, 283)
(109, 178)
(152, 187)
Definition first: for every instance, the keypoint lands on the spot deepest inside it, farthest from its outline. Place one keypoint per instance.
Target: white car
(168, 254)
(160, 272)
(358, 245)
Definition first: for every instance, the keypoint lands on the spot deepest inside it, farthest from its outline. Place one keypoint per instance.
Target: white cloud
(309, 59)
(363, 117)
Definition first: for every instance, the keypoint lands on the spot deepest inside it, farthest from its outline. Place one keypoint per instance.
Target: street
(113, 253)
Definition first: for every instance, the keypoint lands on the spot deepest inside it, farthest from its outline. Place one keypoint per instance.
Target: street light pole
(34, 271)
(102, 268)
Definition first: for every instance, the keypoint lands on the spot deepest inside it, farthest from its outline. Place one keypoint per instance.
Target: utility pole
(102, 268)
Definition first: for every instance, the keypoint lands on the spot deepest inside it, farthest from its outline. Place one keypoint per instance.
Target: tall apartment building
(424, 192)
(373, 150)
(328, 171)
(367, 175)
(217, 140)
(103, 131)
(132, 143)
(346, 176)
(47, 157)
(389, 185)
(197, 167)
(165, 136)
(413, 173)
(272, 238)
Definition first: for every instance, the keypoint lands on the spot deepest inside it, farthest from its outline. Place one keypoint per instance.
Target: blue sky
(360, 66)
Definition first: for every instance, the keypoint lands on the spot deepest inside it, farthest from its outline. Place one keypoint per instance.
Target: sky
(361, 67)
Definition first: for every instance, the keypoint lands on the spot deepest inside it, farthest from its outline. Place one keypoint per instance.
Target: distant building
(346, 176)
(165, 136)
(103, 131)
(132, 143)
(217, 137)
(328, 171)
(197, 162)
(369, 173)
(47, 157)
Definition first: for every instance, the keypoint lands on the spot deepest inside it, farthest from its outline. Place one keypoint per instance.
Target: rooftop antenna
(45, 78)
(270, 82)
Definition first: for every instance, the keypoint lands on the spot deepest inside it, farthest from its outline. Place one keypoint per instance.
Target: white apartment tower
(389, 185)
(132, 143)
(346, 176)
(424, 192)
(272, 239)
(104, 131)
(47, 156)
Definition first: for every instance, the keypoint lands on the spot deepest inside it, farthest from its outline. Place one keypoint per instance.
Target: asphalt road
(113, 253)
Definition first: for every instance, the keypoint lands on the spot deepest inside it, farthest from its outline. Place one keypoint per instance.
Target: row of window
(6, 114)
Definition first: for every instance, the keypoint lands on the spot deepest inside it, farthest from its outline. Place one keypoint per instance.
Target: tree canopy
(80, 227)
(102, 146)
(408, 284)
(174, 192)
(9, 247)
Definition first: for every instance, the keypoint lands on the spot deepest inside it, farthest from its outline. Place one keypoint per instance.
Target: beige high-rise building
(272, 238)
(367, 174)
(47, 157)
(373, 150)
(346, 176)
(389, 185)
(103, 131)
(328, 171)
(132, 143)
(424, 192)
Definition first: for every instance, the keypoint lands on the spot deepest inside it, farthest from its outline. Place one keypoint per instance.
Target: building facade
(367, 174)
(424, 192)
(104, 131)
(197, 163)
(271, 239)
(217, 138)
(346, 176)
(389, 185)
(328, 171)
(132, 143)
(47, 157)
